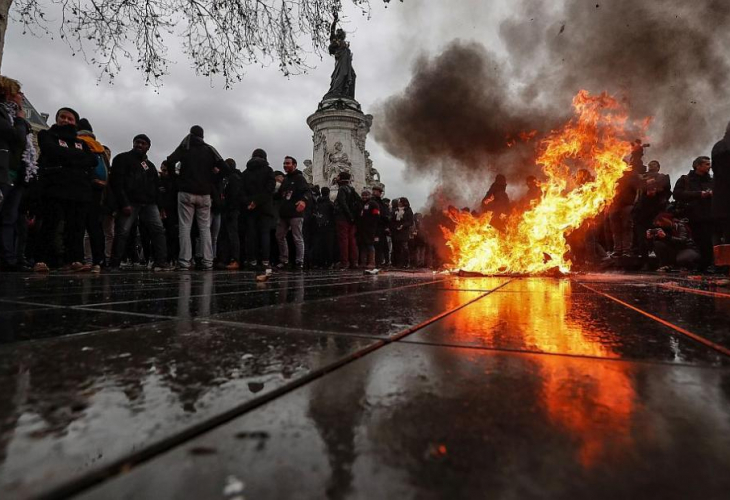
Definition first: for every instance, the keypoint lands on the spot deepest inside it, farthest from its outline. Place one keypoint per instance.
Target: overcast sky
(265, 110)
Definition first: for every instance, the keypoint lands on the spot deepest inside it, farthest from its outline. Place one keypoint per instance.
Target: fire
(595, 139)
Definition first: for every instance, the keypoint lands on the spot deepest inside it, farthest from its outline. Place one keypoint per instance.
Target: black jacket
(65, 164)
(626, 190)
(232, 191)
(688, 193)
(134, 180)
(197, 162)
(293, 190)
(384, 222)
(12, 142)
(346, 199)
(324, 213)
(721, 173)
(167, 195)
(367, 223)
(258, 187)
(401, 228)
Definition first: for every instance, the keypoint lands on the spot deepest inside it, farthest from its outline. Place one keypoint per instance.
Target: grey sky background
(266, 109)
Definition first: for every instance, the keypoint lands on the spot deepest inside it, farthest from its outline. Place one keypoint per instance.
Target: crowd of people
(71, 205)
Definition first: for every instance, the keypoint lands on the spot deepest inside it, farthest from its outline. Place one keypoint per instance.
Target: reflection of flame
(535, 242)
(593, 401)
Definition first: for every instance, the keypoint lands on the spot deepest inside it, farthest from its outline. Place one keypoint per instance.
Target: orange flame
(595, 139)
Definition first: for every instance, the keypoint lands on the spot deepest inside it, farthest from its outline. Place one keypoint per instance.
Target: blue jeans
(149, 215)
(188, 206)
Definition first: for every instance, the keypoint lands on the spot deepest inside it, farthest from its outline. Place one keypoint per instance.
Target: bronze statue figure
(343, 77)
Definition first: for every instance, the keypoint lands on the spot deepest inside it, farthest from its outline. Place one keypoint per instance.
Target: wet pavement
(340, 385)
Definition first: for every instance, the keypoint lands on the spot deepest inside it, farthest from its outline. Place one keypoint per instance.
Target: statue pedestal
(340, 130)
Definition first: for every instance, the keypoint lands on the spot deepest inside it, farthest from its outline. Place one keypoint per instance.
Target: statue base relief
(340, 130)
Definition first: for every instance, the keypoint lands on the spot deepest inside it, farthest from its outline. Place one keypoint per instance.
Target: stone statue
(372, 176)
(308, 171)
(343, 77)
(336, 162)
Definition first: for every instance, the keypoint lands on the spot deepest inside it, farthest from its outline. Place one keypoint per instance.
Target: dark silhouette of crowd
(67, 203)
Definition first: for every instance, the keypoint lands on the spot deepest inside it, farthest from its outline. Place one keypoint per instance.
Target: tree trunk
(4, 15)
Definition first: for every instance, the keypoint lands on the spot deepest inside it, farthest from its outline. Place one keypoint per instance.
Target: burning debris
(596, 140)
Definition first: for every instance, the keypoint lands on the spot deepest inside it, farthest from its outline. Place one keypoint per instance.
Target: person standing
(229, 253)
(401, 231)
(694, 193)
(367, 229)
(14, 130)
(257, 208)
(99, 177)
(294, 195)
(620, 213)
(721, 190)
(135, 183)
(199, 162)
(496, 201)
(326, 235)
(65, 168)
(381, 238)
(167, 201)
(348, 206)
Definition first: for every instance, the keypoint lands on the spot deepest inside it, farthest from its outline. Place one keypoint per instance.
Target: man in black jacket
(721, 191)
(65, 168)
(347, 211)
(198, 164)
(229, 242)
(694, 193)
(381, 238)
(326, 235)
(135, 183)
(294, 195)
(257, 205)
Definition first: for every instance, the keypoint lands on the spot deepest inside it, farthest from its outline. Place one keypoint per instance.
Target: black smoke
(669, 59)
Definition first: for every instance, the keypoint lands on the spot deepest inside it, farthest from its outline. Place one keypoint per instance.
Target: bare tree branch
(221, 37)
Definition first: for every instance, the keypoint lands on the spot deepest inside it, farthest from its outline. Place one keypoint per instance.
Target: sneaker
(183, 268)
(77, 267)
(268, 271)
(95, 269)
(40, 267)
(233, 266)
(162, 268)
(282, 265)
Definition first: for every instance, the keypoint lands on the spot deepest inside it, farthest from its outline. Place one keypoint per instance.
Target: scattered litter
(234, 486)
(372, 272)
(87, 348)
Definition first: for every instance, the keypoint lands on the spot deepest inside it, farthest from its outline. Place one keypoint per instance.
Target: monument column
(339, 126)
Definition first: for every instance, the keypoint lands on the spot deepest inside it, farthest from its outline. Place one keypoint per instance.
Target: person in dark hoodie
(367, 229)
(199, 162)
(167, 201)
(257, 207)
(229, 243)
(294, 195)
(135, 183)
(14, 130)
(326, 235)
(65, 168)
(721, 190)
(694, 193)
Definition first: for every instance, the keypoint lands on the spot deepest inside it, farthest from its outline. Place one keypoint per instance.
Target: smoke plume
(465, 107)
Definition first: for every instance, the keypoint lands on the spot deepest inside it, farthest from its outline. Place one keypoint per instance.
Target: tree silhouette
(220, 37)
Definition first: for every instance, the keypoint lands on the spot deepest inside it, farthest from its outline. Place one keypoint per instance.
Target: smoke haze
(666, 58)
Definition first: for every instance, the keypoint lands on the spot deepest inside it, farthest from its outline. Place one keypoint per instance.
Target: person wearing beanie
(94, 214)
(135, 183)
(199, 162)
(295, 195)
(257, 208)
(65, 169)
(382, 254)
(348, 207)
